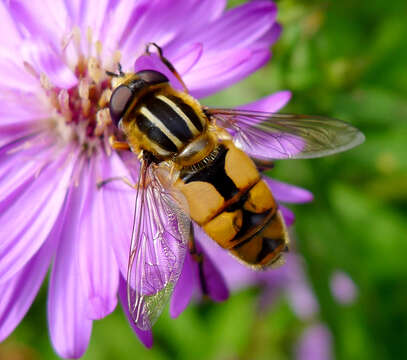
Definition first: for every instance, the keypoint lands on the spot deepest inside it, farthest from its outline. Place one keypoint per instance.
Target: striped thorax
(157, 118)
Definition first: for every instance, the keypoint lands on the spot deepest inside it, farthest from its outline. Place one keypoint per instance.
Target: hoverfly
(204, 165)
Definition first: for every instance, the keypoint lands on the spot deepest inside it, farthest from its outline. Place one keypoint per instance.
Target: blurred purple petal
(9, 34)
(343, 288)
(271, 103)
(69, 325)
(271, 36)
(288, 215)
(19, 292)
(146, 337)
(288, 193)
(302, 299)
(315, 344)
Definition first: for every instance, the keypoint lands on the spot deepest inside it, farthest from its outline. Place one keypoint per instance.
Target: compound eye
(119, 101)
(152, 77)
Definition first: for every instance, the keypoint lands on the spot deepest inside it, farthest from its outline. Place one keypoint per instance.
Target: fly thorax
(168, 122)
(197, 151)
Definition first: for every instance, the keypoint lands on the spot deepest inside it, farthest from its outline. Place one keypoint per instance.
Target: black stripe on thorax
(187, 110)
(168, 116)
(154, 133)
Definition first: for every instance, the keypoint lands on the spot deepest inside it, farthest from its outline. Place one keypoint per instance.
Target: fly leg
(167, 63)
(118, 145)
(198, 257)
(102, 183)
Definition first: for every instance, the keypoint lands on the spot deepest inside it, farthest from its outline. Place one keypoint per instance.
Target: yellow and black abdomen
(228, 199)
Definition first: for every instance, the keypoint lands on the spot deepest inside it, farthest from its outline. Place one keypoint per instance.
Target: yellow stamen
(30, 69)
(94, 70)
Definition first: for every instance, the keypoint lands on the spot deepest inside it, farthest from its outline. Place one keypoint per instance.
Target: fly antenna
(167, 63)
(119, 74)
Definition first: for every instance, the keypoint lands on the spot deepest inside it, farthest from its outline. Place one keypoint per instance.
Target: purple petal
(218, 71)
(240, 26)
(209, 10)
(298, 289)
(121, 199)
(288, 193)
(30, 218)
(343, 288)
(159, 23)
(9, 35)
(69, 325)
(288, 215)
(17, 174)
(94, 17)
(45, 60)
(187, 57)
(12, 114)
(214, 281)
(271, 36)
(29, 19)
(271, 103)
(302, 299)
(185, 287)
(122, 21)
(315, 344)
(98, 268)
(19, 292)
(13, 77)
(146, 337)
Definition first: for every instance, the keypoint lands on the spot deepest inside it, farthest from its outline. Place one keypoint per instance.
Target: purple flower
(315, 343)
(54, 143)
(343, 288)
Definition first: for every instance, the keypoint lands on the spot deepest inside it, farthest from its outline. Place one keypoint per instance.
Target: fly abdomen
(235, 207)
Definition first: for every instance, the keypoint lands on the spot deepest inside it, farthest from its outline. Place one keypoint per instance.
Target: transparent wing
(158, 245)
(267, 136)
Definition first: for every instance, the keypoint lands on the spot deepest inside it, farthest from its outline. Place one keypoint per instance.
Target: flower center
(81, 113)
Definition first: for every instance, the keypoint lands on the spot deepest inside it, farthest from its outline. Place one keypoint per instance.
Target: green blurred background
(344, 59)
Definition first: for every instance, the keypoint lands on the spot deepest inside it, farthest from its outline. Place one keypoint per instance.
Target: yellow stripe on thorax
(179, 112)
(157, 122)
